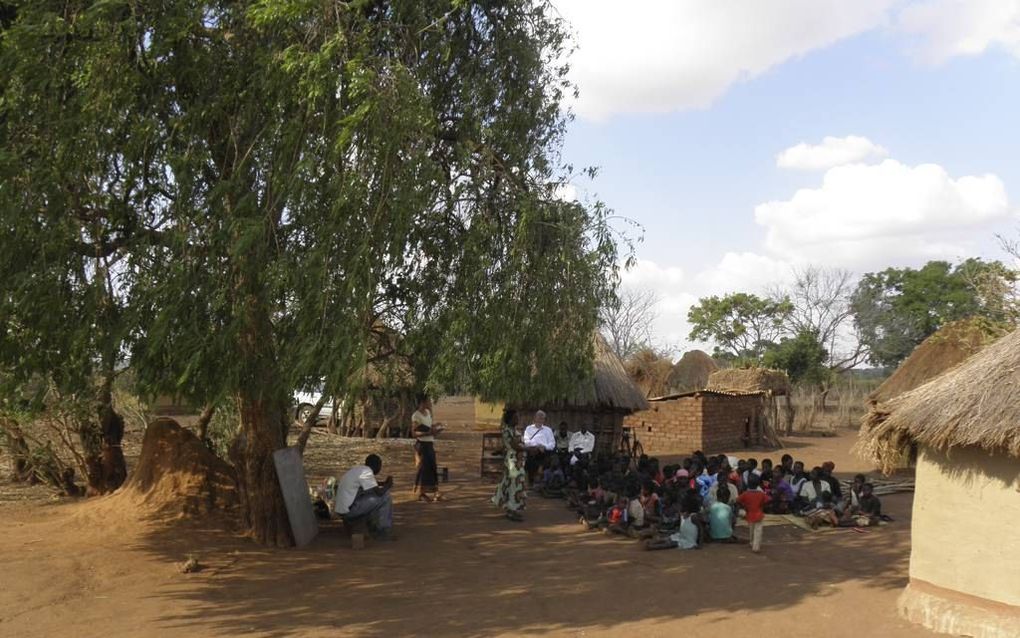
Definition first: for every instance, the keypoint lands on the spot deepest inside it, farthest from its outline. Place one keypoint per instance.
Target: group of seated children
(698, 501)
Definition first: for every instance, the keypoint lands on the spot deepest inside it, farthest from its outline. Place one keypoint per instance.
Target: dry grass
(974, 404)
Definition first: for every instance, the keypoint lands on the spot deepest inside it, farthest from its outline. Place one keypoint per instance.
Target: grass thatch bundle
(649, 371)
(974, 404)
(944, 350)
(610, 388)
(691, 372)
(750, 380)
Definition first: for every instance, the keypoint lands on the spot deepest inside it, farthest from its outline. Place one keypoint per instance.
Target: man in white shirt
(538, 441)
(359, 495)
(582, 444)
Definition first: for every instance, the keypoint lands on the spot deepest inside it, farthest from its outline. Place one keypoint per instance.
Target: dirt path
(457, 569)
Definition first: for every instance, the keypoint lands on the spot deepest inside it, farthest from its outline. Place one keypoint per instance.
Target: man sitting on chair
(359, 496)
(582, 444)
(538, 441)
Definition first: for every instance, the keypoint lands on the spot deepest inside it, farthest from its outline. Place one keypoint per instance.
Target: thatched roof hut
(691, 372)
(964, 427)
(750, 380)
(649, 371)
(601, 402)
(973, 404)
(609, 388)
(942, 351)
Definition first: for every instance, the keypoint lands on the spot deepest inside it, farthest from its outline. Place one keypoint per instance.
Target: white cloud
(648, 274)
(833, 151)
(665, 55)
(860, 212)
(949, 28)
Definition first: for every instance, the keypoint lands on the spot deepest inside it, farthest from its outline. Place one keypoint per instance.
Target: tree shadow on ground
(459, 568)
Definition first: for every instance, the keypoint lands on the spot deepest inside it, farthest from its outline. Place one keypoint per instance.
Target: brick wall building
(703, 420)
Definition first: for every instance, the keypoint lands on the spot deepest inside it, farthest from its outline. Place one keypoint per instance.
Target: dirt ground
(457, 569)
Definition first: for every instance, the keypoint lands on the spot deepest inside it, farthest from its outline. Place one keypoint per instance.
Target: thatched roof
(944, 350)
(649, 371)
(691, 372)
(750, 380)
(975, 404)
(609, 388)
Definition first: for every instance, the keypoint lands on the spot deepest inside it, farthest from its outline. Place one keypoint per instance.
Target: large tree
(742, 325)
(306, 173)
(898, 308)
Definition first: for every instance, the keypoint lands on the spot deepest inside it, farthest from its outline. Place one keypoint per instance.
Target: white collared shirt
(539, 436)
(585, 441)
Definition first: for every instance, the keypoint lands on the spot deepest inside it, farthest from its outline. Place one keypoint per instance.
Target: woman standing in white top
(426, 482)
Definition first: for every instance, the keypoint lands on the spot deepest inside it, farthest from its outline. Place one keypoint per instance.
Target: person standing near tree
(511, 494)
(426, 481)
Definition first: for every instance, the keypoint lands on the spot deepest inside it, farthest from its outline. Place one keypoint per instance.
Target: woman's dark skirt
(427, 479)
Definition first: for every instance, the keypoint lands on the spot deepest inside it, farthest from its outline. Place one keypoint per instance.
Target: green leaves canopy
(898, 308)
(279, 184)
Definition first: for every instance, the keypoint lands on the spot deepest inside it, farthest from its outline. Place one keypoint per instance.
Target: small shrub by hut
(771, 383)
(602, 402)
(691, 372)
(965, 550)
(700, 420)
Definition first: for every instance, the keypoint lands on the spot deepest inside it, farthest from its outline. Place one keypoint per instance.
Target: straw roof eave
(974, 404)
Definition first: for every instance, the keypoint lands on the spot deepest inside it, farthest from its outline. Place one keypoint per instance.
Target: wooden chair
(493, 453)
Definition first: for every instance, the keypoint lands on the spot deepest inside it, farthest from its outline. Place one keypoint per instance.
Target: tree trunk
(306, 427)
(263, 511)
(203, 422)
(101, 443)
(331, 425)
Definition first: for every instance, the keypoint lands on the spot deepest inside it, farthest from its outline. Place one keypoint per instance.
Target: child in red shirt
(753, 501)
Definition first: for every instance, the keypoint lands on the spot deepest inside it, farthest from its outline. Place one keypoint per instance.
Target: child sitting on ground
(720, 517)
(617, 518)
(649, 502)
(688, 533)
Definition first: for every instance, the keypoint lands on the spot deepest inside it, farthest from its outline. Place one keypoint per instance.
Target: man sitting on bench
(360, 497)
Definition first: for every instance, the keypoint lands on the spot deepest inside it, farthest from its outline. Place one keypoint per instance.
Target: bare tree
(627, 325)
(821, 304)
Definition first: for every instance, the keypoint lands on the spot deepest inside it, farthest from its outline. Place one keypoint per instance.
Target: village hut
(953, 344)
(649, 371)
(942, 351)
(964, 426)
(601, 402)
(706, 420)
(691, 372)
(772, 384)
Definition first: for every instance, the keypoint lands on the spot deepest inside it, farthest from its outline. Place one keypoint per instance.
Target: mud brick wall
(724, 421)
(713, 423)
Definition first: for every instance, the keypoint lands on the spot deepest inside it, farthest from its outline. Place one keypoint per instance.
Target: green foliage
(802, 357)
(248, 197)
(742, 325)
(898, 308)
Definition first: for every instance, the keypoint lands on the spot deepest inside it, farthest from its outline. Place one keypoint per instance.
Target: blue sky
(932, 87)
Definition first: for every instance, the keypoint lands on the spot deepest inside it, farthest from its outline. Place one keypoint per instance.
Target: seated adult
(582, 444)
(870, 506)
(781, 493)
(360, 496)
(562, 438)
(837, 490)
(810, 496)
(538, 441)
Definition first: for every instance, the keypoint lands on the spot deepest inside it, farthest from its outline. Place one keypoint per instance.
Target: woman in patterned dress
(510, 493)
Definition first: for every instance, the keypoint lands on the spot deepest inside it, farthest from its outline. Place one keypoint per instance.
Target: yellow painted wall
(488, 413)
(966, 523)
